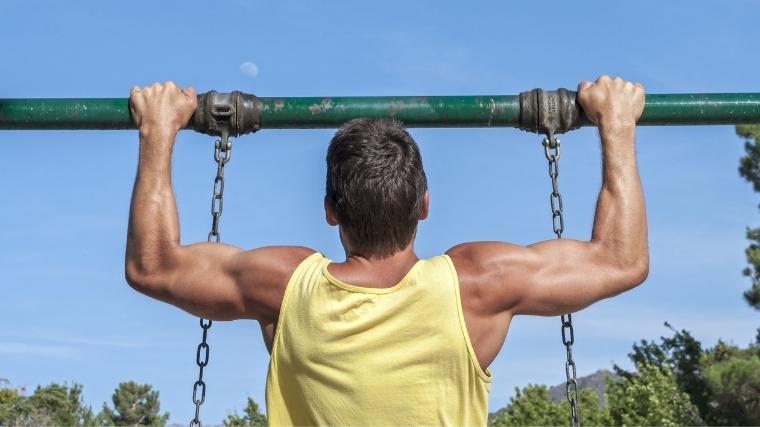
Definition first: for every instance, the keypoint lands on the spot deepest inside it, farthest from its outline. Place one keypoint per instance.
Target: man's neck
(373, 272)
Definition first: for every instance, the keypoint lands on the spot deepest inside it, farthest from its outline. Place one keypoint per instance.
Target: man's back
(352, 355)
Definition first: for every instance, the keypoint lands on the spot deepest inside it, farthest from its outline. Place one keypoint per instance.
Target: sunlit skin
(498, 280)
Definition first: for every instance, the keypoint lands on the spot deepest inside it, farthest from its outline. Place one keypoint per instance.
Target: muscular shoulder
(264, 273)
(479, 261)
(488, 273)
(477, 271)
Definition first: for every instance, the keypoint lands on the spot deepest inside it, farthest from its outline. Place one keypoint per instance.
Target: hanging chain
(222, 155)
(551, 151)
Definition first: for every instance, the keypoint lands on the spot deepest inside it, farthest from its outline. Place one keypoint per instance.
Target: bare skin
(497, 280)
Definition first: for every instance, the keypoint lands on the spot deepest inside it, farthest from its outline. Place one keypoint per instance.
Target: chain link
(222, 155)
(551, 151)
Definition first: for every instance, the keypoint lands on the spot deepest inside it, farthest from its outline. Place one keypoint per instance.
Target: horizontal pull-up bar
(529, 111)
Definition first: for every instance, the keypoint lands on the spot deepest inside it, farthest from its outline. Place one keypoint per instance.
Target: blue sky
(68, 313)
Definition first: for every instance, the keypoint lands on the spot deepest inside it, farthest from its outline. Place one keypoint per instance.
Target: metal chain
(551, 151)
(222, 155)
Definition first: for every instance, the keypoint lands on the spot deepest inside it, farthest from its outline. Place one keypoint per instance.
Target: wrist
(617, 128)
(157, 133)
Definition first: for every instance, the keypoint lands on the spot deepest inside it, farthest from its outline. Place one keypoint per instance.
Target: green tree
(7, 397)
(531, 406)
(9, 401)
(733, 376)
(720, 381)
(591, 413)
(749, 168)
(252, 418)
(133, 404)
(650, 397)
(53, 404)
(682, 356)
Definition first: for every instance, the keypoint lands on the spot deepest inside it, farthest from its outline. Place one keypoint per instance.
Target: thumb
(585, 84)
(136, 104)
(190, 94)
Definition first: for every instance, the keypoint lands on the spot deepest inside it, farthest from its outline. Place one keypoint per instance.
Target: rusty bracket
(226, 114)
(549, 112)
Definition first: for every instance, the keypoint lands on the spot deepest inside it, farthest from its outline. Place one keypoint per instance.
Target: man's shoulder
(473, 257)
(481, 264)
(274, 264)
(265, 273)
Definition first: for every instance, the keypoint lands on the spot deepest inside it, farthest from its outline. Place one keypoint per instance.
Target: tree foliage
(252, 418)
(733, 377)
(133, 404)
(676, 382)
(53, 404)
(650, 397)
(722, 382)
(679, 356)
(61, 405)
(749, 168)
(531, 406)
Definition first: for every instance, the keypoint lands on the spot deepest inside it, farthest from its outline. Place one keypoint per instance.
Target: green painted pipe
(413, 111)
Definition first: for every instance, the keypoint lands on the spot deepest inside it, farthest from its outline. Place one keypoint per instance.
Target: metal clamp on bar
(226, 114)
(549, 112)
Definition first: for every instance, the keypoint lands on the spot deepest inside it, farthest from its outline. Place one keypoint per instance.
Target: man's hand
(162, 108)
(611, 103)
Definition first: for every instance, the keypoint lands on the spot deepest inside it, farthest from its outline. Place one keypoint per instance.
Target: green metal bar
(701, 109)
(65, 113)
(413, 111)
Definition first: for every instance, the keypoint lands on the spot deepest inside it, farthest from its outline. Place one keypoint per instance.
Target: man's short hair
(375, 185)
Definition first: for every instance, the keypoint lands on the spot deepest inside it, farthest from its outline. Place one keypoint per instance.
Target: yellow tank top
(350, 355)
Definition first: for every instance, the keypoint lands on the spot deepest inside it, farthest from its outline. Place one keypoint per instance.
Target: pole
(413, 111)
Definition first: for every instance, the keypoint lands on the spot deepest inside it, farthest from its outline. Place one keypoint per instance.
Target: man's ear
(330, 216)
(425, 206)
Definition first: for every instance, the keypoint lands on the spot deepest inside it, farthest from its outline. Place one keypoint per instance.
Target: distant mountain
(594, 381)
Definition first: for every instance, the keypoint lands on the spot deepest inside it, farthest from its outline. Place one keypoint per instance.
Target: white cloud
(249, 69)
(23, 349)
(53, 337)
(604, 322)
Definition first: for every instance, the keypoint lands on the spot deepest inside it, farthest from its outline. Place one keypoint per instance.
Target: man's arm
(212, 280)
(563, 276)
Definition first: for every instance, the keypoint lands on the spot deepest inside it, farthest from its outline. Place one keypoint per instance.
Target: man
(384, 337)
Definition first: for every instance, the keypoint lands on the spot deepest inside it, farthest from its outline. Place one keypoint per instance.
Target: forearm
(153, 234)
(620, 225)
